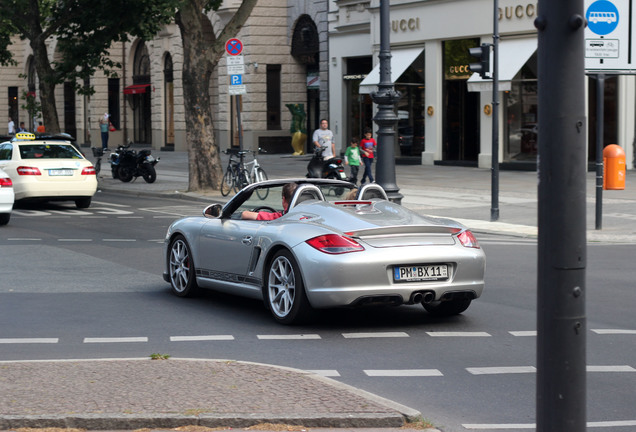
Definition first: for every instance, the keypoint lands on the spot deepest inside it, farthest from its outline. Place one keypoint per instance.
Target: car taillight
(5, 182)
(467, 239)
(334, 244)
(25, 170)
(89, 171)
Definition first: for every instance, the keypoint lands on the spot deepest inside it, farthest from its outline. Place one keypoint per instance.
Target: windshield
(49, 151)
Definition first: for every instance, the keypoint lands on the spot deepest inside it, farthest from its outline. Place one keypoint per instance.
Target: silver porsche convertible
(335, 246)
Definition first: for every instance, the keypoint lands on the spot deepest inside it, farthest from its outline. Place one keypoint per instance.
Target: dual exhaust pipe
(424, 298)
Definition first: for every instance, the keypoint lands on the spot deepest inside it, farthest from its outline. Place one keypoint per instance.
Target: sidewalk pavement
(141, 393)
(120, 394)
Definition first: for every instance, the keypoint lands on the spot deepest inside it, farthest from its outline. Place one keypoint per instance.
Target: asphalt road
(87, 284)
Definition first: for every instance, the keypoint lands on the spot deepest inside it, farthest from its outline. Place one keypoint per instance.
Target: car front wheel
(447, 308)
(82, 203)
(285, 292)
(181, 268)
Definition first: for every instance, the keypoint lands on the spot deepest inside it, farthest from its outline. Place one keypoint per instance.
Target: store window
(610, 114)
(359, 105)
(273, 96)
(410, 108)
(521, 114)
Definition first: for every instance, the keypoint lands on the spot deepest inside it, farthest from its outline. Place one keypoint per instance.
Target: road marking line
(500, 426)
(458, 334)
(619, 423)
(110, 204)
(501, 370)
(130, 217)
(374, 335)
(115, 339)
(403, 372)
(24, 239)
(524, 333)
(287, 337)
(28, 340)
(75, 240)
(119, 240)
(200, 338)
(325, 372)
(613, 331)
(617, 368)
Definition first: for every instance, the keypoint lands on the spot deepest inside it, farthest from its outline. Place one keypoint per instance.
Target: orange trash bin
(614, 163)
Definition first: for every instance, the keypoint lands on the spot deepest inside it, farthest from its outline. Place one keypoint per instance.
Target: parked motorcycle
(127, 164)
(330, 168)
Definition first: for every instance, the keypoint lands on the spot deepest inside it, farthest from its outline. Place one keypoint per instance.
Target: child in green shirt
(352, 158)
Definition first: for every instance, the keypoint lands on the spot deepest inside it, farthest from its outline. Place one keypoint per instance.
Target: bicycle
(257, 174)
(235, 177)
(98, 153)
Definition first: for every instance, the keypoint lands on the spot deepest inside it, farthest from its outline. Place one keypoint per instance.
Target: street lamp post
(386, 97)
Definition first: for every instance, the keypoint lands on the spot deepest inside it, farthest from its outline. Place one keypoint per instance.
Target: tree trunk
(201, 53)
(46, 85)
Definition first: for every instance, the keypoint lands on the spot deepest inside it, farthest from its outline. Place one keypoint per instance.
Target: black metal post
(562, 250)
(600, 117)
(238, 121)
(494, 207)
(386, 97)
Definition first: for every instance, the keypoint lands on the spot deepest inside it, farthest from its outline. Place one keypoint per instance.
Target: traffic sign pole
(236, 69)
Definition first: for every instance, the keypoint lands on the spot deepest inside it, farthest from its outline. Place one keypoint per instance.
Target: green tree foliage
(84, 30)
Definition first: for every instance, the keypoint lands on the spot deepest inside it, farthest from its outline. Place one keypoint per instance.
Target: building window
(113, 101)
(273, 97)
(521, 113)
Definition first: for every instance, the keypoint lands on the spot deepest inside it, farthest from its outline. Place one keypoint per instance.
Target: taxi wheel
(4, 218)
(82, 203)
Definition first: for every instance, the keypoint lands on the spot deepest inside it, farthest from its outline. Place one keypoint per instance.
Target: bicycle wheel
(226, 182)
(259, 175)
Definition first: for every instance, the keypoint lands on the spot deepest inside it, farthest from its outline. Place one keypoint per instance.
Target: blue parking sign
(236, 79)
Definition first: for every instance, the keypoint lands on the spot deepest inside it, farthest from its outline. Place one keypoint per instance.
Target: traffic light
(483, 54)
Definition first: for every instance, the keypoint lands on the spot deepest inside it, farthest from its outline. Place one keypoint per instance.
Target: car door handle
(247, 240)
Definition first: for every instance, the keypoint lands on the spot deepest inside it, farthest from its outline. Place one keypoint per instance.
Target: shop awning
(136, 89)
(513, 54)
(401, 59)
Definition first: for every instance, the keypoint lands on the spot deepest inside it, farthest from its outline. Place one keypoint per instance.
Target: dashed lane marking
(524, 333)
(403, 372)
(374, 335)
(614, 332)
(458, 334)
(201, 338)
(501, 370)
(29, 340)
(513, 426)
(115, 339)
(289, 337)
(325, 372)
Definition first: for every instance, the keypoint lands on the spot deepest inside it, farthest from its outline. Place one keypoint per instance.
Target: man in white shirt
(11, 127)
(324, 137)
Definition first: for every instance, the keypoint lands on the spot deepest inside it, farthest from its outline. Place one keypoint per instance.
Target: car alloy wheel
(181, 268)
(285, 292)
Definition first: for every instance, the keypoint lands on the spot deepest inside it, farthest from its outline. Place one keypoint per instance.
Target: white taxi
(48, 170)
(6, 198)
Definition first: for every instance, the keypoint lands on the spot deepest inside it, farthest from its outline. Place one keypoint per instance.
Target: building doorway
(461, 115)
(140, 98)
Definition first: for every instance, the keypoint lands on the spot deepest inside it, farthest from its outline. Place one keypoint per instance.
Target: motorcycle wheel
(150, 174)
(125, 174)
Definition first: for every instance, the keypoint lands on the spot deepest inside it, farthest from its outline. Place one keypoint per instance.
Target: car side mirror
(213, 211)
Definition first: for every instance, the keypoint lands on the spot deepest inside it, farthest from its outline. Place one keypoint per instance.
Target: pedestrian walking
(323, 137)
(41, 128)
(104, 126)
(367, 152)
(352, 158)
(11, 127)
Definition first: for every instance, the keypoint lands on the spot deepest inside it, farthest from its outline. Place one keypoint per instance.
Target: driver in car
(288, 193)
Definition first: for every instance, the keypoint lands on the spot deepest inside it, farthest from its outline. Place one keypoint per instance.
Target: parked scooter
(331, 168)
(127, 164)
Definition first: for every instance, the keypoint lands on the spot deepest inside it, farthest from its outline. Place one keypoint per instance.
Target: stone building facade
(285, 55)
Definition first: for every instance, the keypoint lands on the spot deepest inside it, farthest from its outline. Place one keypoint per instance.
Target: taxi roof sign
(25, 136)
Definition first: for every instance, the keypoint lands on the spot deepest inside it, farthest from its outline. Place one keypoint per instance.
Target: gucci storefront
(445, 113)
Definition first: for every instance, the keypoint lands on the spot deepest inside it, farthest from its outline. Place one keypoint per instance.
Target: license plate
(420, 273)
(61, 172)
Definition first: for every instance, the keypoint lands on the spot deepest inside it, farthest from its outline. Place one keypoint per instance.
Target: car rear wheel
(285, 292)
(4, 218)
(82, 203)
(181, 268)
(447, 308)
